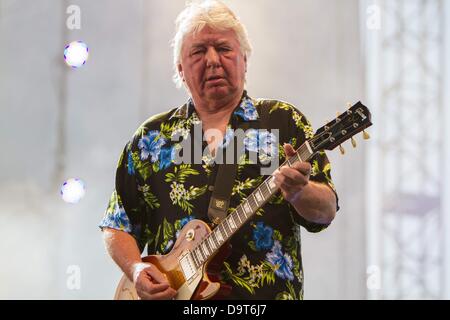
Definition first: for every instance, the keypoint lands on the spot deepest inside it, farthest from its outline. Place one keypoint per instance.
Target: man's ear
(180, 71)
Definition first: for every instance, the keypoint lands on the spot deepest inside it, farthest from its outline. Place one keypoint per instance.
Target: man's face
(212, 65)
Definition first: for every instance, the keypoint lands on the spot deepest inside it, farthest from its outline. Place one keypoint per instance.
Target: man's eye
(224, 49)
(195, 52)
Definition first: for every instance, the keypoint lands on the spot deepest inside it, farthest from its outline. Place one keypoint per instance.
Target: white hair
(195, 17)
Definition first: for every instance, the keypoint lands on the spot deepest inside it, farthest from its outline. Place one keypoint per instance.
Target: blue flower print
(263, 236)
(166, 157)
(117, 219)
(185, 220)
(130, 164)
(282, 263)
(229, 134)
(251, 140)
(267, 143)
(151, 145)
(247, 110)
(261, 141)
(168, 246)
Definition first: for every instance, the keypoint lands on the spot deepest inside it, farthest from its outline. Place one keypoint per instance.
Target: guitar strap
(226, 175)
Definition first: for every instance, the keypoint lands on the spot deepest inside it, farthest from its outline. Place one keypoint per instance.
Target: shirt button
(211, 188)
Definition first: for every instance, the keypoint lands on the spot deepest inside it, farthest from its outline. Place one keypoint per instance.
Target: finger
(291, 188)
(288, 150)
(157, 276)
(292, 175)
(157, 287)
(146, 284)
(169, 293)
(303, 167)
(144, 295)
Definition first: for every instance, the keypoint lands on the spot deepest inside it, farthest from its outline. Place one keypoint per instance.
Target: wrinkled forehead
(209, 36)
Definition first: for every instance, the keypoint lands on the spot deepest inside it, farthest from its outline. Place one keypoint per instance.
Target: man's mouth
(212, 78)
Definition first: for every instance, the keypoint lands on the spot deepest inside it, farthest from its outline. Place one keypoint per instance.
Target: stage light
(73, 190)
(76, 54)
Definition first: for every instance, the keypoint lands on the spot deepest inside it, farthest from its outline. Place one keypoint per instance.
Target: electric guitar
(195, 259)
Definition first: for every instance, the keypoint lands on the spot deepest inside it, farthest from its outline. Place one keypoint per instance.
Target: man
(154, 197)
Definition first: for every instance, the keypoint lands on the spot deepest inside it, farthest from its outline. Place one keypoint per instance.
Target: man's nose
(212, 58)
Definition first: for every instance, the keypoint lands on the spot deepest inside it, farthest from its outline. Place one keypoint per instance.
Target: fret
(251, 202)
(227, 224)
(271, 184)
(208, 247)
(219, 235)
(299, 155)
(238, 215)
(309, 150)
(214, 239)
(266, 192)
(197, 256)
(258, 195)
(234, 218)
(247, 208)
(197, 263)
(231, 223)
(211, 243)
(224, 230)
(289, 162)
(205, 248)
(202, 255)
(241, 206)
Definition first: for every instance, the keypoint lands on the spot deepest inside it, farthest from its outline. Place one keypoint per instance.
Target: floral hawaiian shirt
(154, 197)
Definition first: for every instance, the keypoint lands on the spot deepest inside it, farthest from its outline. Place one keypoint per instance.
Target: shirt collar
(246, 109)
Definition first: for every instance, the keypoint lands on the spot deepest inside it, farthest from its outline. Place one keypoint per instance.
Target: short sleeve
(124, 210)
(301, 129)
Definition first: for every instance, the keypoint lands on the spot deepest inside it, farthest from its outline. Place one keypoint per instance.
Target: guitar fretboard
(235, 220)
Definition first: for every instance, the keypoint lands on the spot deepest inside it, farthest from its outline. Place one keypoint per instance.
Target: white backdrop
(306, 52)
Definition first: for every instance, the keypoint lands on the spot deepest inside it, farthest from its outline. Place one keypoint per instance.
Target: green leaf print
(143, 168)
(149, 236)
(168, 233)
(150, 199)
(240, 186)
(167, 129)
(155, 166)
(237, 280)
(158, 233)
(282, 106)
(277, 235)
(181, 173)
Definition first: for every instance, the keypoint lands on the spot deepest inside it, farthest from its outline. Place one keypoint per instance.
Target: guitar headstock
(354, 120)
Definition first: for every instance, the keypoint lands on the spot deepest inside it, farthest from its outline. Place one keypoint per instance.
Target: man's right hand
(150, 283)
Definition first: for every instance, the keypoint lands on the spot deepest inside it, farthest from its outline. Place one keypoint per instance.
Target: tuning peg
(341, 148)
(353, 142)
(349, 105)
(366, 136)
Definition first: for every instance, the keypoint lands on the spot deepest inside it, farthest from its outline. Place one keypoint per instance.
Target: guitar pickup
(188, 267)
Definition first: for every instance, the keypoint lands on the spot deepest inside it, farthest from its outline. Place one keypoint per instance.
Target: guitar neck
(235, 220)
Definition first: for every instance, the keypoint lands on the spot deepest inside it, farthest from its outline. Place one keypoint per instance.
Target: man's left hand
(292, 180)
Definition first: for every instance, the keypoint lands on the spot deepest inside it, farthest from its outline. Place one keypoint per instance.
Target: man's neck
(216, 114)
